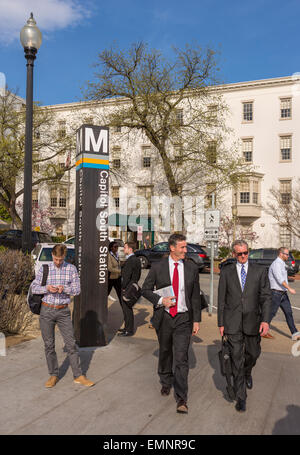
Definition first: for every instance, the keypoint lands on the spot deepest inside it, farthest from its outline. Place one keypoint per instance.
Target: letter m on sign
(96, 140)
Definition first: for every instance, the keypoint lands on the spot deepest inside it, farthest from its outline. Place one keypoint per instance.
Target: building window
(117, 163)
(61, 129)
(116, 157)
(58, 197)
(212, 152)
(285, 148)
(35, 166)
(53, 197)
(35, 198)
(178, 155)
(248, 150)
(146, 192)
(248, 112)
(285, 107)
(255, 192)
(63, 198)
(285, 191)
(285, 236)
(146, 156)
(212, 111)
(116, 196)
(179, 116)
(245, 192)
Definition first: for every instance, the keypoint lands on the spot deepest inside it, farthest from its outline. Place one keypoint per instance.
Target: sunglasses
(242, 253)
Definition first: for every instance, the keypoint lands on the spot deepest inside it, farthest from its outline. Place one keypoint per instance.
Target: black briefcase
(131, 294)
(225, 365)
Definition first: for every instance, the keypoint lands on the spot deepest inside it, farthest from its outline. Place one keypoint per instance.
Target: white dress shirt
(239, 269)
(181, 305)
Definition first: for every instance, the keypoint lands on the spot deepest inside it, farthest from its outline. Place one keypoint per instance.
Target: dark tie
(175, 284)
(243, 276)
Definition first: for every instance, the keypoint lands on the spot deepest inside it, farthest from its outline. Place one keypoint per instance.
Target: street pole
(27, 201)
(211, 292)
(31, 39)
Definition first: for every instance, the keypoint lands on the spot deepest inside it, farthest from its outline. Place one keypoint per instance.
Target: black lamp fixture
(31, 40)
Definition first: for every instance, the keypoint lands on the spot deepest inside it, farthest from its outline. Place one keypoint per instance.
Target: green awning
(118, 219)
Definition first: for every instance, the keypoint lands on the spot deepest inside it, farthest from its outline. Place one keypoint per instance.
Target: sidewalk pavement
(126, 398)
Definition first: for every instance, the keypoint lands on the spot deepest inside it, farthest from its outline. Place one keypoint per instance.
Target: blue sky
(256, 40)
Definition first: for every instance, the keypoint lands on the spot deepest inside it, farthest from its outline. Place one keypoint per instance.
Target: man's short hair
(282, 249)
(59, 251)
(131, 245)
(174, 238)
(240, 242)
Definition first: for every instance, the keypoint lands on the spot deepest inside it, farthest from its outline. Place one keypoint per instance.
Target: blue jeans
(281, 299)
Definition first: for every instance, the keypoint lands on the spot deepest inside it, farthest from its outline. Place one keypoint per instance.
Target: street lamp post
(31, 40)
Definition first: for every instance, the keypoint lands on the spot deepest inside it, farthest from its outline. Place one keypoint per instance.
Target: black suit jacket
(243, 311)
(131, 271)
(159, 277)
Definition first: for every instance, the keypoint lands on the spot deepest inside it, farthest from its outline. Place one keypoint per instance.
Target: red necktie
(175, 284)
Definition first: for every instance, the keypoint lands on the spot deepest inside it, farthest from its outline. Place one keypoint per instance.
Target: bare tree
(284, 207)
(48, 144)
(178, 107)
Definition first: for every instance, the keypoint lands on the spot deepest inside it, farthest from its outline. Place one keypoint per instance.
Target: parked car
(194, 252)
(265, 257)
(42, 254)
(13, 238)
(122, 257)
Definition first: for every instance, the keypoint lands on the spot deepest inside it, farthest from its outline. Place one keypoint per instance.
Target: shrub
(58, 239)
(15, 277)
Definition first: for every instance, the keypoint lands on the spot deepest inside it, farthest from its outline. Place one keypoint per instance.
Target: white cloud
(50, 15)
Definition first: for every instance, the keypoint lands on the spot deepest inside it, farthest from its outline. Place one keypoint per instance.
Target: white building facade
(263, 116)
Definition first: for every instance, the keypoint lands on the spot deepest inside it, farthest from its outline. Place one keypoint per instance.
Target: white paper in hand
(165, 292)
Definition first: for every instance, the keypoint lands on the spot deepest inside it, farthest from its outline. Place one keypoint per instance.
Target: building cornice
(233, 87)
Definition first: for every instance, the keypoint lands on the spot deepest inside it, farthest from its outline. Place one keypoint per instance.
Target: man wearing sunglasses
(279, 286)
(244, 307)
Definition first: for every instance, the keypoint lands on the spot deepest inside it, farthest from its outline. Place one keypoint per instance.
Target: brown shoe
(83, 381)
(51, 382)
(268, 335)
(182, 407)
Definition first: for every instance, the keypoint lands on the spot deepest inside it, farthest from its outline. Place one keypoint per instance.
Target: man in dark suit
(174, 319)
(244, 305)
(130, 273)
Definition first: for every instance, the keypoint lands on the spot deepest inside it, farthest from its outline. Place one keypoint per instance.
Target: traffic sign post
(211, 234)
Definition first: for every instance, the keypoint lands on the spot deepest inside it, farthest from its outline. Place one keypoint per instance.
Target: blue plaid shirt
(66, 275)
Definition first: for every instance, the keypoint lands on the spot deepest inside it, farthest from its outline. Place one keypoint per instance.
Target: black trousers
(244, 350)
(127, 312)
(128, 318)
(174, 334)
(118, 287)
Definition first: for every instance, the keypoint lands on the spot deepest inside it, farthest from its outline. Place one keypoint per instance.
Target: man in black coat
(130, 273)
(174, 319)
(244, 305)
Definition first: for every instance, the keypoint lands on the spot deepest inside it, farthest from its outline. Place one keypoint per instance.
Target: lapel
(165, 271)
(185, 271)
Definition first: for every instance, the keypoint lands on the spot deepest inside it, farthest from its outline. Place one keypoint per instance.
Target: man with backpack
(62, 282)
